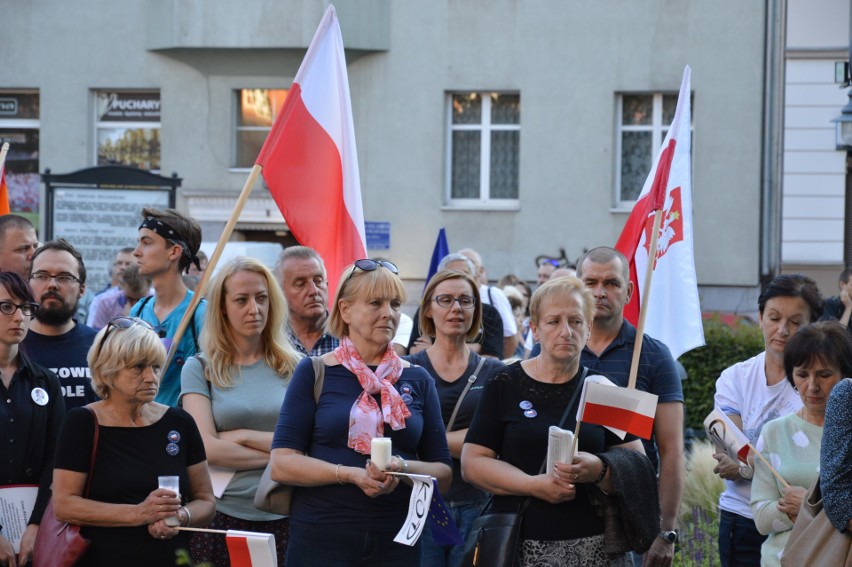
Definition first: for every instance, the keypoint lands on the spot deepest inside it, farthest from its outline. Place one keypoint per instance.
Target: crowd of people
(272, 376)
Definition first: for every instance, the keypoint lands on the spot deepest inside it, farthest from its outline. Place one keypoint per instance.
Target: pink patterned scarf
(366, 418)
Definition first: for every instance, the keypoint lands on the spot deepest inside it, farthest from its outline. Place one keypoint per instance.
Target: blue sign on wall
(378, 235)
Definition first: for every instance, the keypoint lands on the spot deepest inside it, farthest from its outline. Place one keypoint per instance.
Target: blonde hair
(122, 348)
(427, 324)
(356, 283)
(216, 340)
(563, 286)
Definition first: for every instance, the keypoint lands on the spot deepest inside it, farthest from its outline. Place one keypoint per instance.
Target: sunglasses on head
(121, 323)
(370, 265)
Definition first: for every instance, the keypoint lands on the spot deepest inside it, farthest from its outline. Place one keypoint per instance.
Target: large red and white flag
(674, 312)
(625, 409)
(251, 549)
(309, 159)
(4, 188)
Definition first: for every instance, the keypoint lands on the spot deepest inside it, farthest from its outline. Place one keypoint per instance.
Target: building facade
(521, 127)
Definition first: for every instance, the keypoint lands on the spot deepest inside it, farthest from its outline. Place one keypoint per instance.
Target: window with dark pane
(256, 111)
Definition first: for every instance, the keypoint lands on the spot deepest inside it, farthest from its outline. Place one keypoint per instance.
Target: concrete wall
(567, 60)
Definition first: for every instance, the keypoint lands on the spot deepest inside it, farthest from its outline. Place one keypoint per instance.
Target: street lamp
(843, 141)
(843, 127)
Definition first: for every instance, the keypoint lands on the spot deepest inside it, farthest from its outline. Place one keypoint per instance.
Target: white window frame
(657, 136)
(485, 127)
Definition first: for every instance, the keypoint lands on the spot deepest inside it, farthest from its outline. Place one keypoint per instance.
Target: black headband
(170, 234)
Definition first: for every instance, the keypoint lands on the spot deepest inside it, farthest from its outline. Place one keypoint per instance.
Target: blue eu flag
(441, 250)
(444, 530)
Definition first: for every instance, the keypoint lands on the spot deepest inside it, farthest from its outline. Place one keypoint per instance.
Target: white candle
(380, 452)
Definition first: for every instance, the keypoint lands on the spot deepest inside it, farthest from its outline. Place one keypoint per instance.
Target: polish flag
(674, 312)
(4, 189)
(627, 409)
(309, 159)
(251, 549)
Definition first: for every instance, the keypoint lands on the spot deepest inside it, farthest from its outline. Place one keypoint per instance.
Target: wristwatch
(669, 536)
(746, 472)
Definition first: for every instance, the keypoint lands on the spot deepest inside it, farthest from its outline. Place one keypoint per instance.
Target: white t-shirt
(499, 301)
(741, 390)
(403, 331)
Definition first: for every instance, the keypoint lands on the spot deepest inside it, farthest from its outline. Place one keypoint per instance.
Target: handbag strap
(319, 376)
(470, 382)
(94, 451)
(568, 407)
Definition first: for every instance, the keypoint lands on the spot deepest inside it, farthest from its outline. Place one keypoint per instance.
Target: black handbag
(495, 538)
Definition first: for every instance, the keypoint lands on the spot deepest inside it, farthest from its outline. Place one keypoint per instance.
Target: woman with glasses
(451, 314)
(30, 415)
(346, 510)
(129, 520)
(235, 391)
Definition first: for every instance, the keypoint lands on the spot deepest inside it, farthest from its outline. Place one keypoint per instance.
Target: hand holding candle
(380, 452)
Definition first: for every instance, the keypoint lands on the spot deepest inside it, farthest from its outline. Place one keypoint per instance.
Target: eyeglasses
(9, 308)
(370, 265)
(446, 301)
(121, 323)
(61, 279)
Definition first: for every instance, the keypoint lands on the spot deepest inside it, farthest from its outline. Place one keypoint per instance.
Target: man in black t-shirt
(55, 340)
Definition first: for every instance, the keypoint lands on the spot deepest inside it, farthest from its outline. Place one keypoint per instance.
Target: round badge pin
(174, 436)
(525, 405)
(39, 396)
(530, 413)
(172, 449)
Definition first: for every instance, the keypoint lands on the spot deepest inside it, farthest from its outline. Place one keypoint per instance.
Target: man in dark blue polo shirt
(609, 351)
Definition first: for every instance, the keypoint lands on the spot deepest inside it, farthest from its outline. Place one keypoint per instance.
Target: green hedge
(726, 345)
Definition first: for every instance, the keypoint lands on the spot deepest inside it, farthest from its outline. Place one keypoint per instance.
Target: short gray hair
(456, 257)
(300, 252)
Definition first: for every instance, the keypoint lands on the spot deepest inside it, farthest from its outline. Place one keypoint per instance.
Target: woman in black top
(30, 416)
(507, 440)
(129, 520)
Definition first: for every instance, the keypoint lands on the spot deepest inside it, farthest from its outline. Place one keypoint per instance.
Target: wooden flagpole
(646, 293)
(202, 530)
(211, 263)
(771, 469)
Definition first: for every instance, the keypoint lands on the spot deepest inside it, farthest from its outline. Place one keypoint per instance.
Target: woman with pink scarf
(346, 511)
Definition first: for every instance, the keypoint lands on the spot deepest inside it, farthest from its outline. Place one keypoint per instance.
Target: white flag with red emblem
(673, 311)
